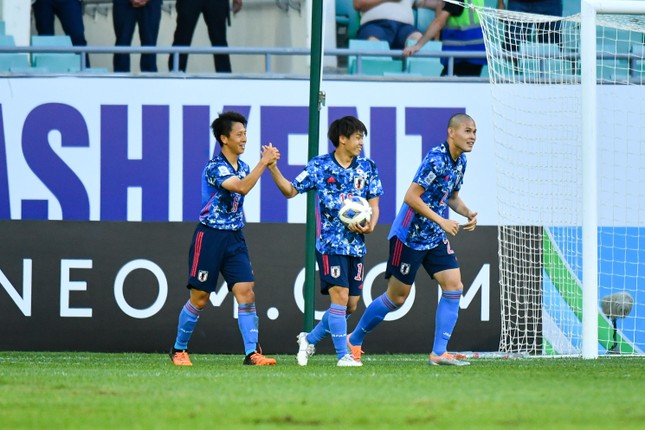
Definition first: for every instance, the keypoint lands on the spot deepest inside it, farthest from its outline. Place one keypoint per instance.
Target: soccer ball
(355, 210)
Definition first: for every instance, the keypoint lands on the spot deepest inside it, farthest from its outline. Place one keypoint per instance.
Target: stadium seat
(58, 63)
(424, 17)
(59, 40)
(570, 7)
(10, 61)
(542, 60)
(7, 40)
(425, 66)
(347, 18)
(373, 65)
(13, 62)
(2, 28)
(637, 68)
(95, 70)
(484, 72)
(55, 62)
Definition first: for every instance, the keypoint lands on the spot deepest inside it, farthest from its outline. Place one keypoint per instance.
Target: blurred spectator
(126, 15)
(392, 21)
(460, 31)
(545, 32)
(216, 15)
(68, 12)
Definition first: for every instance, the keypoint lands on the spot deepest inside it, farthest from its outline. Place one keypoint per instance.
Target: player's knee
(452, 286)
(199, 298)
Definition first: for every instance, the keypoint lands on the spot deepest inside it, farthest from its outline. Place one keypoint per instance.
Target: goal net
(569, 139)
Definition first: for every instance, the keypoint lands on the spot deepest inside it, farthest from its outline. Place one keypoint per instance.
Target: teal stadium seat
(55, 62)
(610, 42)
(10, 62)
(378, 66)
(539, 60)
(637, 69)
(424, 17)
(347, 18)
(425, 66)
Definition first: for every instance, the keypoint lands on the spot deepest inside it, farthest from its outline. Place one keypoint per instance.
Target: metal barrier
(267, 52)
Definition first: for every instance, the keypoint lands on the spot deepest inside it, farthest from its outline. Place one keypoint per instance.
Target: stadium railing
(267, 52)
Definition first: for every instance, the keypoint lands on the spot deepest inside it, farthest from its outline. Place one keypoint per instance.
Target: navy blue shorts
(394, 32)
(341, 271)
(404, 262)
(213, 251)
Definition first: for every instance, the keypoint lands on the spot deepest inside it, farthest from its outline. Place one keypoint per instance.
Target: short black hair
(345, 126)
(223, 124)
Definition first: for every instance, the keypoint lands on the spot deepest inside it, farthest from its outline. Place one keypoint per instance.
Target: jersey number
(359, 272)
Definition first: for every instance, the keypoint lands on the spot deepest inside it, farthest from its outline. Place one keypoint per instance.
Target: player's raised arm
(285, 187)
(270, 155)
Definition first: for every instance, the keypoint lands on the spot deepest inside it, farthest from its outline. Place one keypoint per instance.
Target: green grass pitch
(145, 391)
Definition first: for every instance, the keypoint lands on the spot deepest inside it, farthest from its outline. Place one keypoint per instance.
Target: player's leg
(441, 263)
(339, 297)
(402, 265)
(204, 256)
(378, 309)
(188, 318)
(335, 271)
(238, 274)
(321, 330)
(247, 318)
(447, 309)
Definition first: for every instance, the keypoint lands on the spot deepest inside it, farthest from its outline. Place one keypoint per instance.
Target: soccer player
(339, 247)
(218, 243)
(418, 237)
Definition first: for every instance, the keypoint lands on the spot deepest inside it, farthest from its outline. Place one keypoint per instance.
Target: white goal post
(569, 132)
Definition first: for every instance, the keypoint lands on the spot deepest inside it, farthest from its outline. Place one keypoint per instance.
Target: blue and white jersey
(440, 176)
(334, 183)
(221, 208)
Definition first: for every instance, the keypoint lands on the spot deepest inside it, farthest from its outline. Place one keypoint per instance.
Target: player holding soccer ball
(340, 247)
(418, 237)
(218, 243)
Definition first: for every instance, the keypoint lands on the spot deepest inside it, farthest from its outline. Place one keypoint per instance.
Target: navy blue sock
(187, 319)
(247, 320)
(374, 314)
(446, 319)
(338, 328)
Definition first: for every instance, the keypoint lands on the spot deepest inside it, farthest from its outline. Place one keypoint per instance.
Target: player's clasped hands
(270, 154)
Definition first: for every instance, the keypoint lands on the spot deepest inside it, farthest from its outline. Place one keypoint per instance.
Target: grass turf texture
(145, 391)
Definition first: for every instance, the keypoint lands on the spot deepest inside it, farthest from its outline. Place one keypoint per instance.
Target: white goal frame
(589, 9)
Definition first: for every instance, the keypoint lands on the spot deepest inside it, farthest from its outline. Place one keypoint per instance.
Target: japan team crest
(202, 275)
(334, 271)
(405, 268)
(359, 179)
